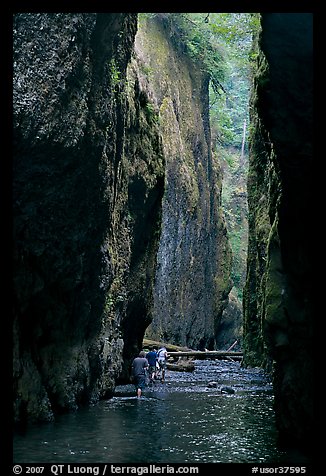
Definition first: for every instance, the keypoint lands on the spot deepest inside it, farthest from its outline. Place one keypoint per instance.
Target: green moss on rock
(194, 258)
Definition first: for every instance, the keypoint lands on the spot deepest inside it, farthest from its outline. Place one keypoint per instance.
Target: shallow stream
(183, 420)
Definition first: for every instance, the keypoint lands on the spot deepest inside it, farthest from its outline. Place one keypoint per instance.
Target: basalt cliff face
(278, 295)
(194, 258)
(88, 184)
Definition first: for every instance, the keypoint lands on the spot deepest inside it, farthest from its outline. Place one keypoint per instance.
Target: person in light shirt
(162, 356)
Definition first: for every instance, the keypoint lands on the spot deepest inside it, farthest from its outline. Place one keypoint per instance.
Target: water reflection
(180, 421)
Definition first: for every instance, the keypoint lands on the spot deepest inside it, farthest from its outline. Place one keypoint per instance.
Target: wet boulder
(227, 389)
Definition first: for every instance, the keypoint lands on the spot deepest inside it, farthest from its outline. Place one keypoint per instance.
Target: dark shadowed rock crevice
(279, 290)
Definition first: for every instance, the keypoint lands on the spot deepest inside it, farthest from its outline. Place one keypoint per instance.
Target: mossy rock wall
(88, 184)
(194, 258)
(278, 298)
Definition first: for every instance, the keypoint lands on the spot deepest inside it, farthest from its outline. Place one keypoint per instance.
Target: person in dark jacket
(138, 372)
(151, 356)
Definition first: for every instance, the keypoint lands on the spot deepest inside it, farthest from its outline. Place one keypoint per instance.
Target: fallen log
(178, 351)
(185, 366)
(169, 347)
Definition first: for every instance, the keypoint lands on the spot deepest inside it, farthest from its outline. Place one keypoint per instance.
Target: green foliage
(151, 113)
(235, 30)
(235, 208)
(190, 33)
(229, 110)
(237, 273)
(221, 45)
(229, 107)
(114, 74)
(146, 70)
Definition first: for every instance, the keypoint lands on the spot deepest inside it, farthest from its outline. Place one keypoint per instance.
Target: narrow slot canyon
(162, 191)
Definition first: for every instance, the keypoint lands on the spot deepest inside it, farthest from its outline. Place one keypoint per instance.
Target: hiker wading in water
(151, 356)
(138, 372)
(162, 356)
